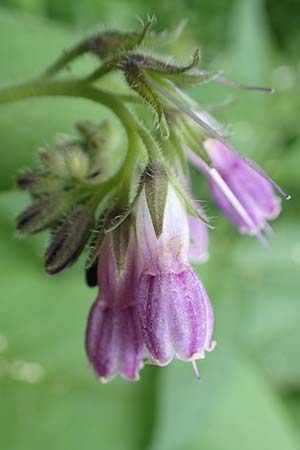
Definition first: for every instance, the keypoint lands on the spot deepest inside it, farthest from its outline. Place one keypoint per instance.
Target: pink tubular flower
(199, 239)
(243, 194)
(174, 310)
(198, 251)
(113, 338)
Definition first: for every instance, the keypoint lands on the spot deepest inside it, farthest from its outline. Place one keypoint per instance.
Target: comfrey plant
(131, 204)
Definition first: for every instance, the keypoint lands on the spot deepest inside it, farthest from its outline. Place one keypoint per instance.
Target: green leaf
(49, 396)
(270, 326)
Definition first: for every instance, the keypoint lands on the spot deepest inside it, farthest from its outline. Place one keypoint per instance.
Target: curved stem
(66, 58)
(77, 88)
(81, 89)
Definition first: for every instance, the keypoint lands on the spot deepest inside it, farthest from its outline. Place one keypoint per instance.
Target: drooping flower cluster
(131, 204)
(155, 306)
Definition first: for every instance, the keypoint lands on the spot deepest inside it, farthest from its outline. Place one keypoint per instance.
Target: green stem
(66, 58)
(128, 167)
(77, 88)
(81, 89)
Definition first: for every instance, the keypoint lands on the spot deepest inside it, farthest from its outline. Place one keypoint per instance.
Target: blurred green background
(249, 398)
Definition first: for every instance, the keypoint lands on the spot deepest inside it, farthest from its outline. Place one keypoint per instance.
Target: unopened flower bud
(54, 161)
(42, 214)
(69, 240)
(38, 182)
(109, 43)
(100, 142)
(77, 162)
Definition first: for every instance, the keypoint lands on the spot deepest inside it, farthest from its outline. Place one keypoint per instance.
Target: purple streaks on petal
(175, 315)
(102, 341)
(113, 338)
(153, 301)
(131, 343)
(254, 193)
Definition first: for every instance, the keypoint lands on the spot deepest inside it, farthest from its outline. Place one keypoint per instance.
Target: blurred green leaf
(27, 46)
(248, 397)
(49, 396)
(268, 285)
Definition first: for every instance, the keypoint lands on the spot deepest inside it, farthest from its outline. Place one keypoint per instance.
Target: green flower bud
(109, 43)
(69, 240)
(101, 144)
(43, 213)
(38, 182)
(53, 160)
(77, 162)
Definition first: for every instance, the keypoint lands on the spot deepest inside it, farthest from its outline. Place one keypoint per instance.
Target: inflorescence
(131, 205)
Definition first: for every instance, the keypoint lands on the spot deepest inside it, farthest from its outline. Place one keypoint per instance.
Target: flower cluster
(129, 200)
(155, 306)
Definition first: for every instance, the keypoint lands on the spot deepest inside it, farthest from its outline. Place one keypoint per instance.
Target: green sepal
(193, 76)
(156, 190)
(191, 137)
(120, 244)
(69, 240)
(99, 232)
(179, 74)
(122, 215)
(108, 43)
(139, 83)
(160, 66)
(97, 239)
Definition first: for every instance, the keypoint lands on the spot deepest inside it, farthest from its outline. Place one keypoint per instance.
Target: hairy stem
(66, 58)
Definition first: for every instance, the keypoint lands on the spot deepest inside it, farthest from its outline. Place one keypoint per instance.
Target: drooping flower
(243, 195)
(198, 251)
(199, 238)
(113, 338)
(174, 310)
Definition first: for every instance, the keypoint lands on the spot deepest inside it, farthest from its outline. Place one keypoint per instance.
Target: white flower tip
(211, 346)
